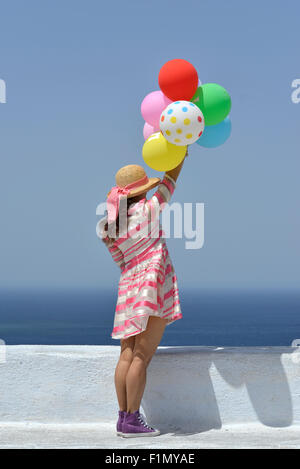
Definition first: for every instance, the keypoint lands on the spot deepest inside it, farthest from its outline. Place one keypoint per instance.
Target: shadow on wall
(194, 389)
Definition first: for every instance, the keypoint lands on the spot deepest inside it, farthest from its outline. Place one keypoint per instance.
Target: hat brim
(153, 182)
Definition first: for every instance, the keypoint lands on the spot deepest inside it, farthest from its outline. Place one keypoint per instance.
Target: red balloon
(178, 80)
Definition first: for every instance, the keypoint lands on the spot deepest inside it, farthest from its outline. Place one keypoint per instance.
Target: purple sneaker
(120, 422)
(135, 425)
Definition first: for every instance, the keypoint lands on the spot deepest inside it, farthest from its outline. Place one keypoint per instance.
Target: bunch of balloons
(182, 112)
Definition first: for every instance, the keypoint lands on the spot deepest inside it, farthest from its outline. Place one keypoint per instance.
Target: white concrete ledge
(189, 389)
(103, 435)
(200, 388)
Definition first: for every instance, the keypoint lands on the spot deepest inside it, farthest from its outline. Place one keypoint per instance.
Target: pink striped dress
(148, 283)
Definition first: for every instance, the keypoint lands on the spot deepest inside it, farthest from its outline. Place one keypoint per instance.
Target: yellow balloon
(162, 155)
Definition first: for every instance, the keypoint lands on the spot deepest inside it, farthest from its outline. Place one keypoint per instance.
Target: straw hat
(132, 174)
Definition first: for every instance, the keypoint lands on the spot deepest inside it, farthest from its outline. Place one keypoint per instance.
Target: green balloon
(214, 102)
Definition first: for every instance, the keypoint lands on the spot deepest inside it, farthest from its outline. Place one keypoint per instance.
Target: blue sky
(76, 73)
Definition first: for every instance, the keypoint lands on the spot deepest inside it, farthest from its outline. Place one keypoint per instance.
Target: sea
(217, 318)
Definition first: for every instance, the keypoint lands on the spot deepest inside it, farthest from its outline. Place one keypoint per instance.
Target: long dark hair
(114, 227)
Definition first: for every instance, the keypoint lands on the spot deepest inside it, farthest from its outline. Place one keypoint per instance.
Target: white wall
(193, 388)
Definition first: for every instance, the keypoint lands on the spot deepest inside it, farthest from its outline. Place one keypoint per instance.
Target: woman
(148, 295)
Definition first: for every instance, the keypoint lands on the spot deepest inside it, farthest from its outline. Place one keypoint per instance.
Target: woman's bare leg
(125, 360)
(145, 346)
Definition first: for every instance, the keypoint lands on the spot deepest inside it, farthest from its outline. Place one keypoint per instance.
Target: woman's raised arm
(174, 173)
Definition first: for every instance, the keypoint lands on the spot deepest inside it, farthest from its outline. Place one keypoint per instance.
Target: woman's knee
(127, 347)
(142, 356)
(139, 360)
(126, 356)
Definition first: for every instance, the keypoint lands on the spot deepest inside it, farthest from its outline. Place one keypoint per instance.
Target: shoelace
(141, 419)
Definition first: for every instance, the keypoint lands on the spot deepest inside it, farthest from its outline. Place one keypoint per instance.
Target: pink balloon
(149, 130)
(152, 106)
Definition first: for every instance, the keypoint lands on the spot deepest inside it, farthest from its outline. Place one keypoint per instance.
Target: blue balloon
(215, 135)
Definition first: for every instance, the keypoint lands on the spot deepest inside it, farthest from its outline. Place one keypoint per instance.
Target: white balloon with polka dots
(182, 123)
